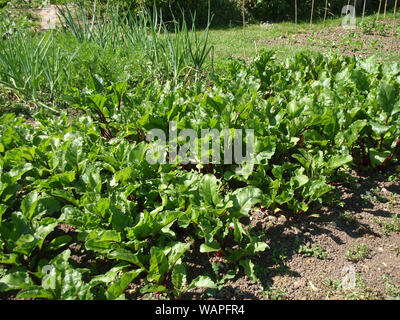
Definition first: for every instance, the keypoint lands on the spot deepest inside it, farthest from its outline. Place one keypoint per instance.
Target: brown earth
(353, 218)
(347, 41)
(284, 273)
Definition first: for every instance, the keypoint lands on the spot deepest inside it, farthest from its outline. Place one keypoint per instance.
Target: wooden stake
(365, 4)
(355, 12)
(384, 14)
(379, 9)
(394, 24)
(326, 12)
(347, 8)
(312, 12)
(243, 16)
(295, 12)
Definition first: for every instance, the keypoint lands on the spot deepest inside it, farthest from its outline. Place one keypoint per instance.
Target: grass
(235, 42)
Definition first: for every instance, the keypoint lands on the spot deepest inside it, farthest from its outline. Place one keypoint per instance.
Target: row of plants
(38, 69)
(312, 118)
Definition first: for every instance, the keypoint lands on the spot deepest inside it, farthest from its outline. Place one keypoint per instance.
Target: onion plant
(33, 66)
(173, 53)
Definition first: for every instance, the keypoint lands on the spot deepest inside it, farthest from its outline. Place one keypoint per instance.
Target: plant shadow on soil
(285, 234)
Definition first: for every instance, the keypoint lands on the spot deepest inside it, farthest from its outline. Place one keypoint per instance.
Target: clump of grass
(358, 253)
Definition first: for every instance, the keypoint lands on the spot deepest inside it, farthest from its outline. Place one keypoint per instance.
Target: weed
(272, 293)
(220, 279)
(360, 292)
(374, 43)
(348, 218)
(374, 196)
(391, 290)
(332, 286)
(315, 251)
(279, 257)
(395, 249)
(369, 27)
(358, 253)
(389, 225)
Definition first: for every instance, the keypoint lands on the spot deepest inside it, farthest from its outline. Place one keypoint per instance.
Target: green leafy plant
(358, 253)
(349, 218)
(391, 290)
(272, 293)
(389, 225)
(314, 251)
(144, 221)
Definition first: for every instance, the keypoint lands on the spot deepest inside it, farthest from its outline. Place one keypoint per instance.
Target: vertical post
(295, 12)
(379, 10)
(326, 12)
(244, 25)
(395, 24)
(243, 16)
(355, 12)
(348, 7)
(312, 12)
(384, 11)
(363, 15)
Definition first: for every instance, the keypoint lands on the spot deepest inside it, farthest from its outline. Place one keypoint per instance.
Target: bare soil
(285, 273)
(347, 41)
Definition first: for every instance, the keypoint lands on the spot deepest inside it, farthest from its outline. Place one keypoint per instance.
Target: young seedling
(360, 292)
(358, 253)
(390, 225)
(279, 258)
(315, 251)
(392, 291)
(348, 218)
(272, 293)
